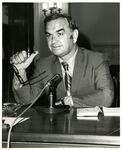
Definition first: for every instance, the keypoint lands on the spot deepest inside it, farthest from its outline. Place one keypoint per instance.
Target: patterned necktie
(67, 78)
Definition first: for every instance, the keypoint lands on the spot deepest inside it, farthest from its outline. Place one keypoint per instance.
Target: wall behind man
(100, 23)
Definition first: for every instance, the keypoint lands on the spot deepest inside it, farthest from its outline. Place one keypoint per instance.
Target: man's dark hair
(49, 18)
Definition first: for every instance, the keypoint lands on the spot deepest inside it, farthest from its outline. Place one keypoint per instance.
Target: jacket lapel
(77, 74)
(60, 87)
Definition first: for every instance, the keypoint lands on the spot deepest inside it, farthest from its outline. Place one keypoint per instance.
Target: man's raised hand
(21, 60)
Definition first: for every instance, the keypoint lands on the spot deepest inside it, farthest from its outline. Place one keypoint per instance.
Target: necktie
(67, 78)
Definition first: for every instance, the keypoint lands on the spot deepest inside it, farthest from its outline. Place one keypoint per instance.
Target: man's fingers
(18, 58)
(29, 60)
(21, 61)
(24, 53)
(13, 60)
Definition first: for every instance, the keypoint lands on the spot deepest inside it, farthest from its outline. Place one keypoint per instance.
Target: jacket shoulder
(43, 63)
(95, 57)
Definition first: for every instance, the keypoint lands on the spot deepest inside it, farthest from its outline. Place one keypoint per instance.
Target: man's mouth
(56, 47)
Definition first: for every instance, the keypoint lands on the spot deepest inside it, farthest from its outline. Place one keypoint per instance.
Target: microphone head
(54, 79)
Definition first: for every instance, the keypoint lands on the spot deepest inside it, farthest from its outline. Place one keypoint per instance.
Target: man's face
(59, 37)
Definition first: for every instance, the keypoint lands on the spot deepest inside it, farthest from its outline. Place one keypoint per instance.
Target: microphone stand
(52, 109)
(51, 89)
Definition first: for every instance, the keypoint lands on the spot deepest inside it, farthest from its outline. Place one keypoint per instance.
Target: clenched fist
(21, 61)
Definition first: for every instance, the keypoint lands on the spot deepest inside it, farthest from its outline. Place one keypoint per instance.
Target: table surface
(64, 127)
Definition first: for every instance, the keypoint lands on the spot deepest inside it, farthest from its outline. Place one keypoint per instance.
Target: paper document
(93, 113)
(9, 120)
(111, 111)
(88, 112)
(87, 118)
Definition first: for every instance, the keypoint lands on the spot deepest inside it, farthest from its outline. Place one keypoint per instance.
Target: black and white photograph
(60, 74)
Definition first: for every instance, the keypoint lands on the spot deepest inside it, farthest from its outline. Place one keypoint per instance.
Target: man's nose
(54, 39)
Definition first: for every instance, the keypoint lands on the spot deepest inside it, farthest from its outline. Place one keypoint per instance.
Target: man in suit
(86, 82)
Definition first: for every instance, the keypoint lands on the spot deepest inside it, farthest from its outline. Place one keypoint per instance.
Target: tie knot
(65, 65)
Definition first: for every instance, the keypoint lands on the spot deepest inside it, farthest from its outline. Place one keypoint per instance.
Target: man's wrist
(16, 83)
(23, 74)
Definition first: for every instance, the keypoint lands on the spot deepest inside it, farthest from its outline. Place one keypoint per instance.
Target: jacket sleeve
(28, 93)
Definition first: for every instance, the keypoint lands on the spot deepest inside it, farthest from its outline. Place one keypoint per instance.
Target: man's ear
(75, 36)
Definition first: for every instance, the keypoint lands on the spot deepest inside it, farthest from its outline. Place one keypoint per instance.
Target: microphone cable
(10, 129)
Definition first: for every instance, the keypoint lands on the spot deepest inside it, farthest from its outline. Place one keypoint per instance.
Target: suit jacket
(91, 82)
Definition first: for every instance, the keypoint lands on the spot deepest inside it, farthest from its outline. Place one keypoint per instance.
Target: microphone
(55, 78)
(49, 83)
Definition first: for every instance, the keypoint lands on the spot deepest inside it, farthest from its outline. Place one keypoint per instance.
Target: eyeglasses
(31, 79)
(17, 74)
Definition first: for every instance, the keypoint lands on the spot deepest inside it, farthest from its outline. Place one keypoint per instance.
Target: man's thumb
(33, 55)
(30, 58)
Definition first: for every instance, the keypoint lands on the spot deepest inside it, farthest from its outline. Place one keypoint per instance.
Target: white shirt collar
(70, 62)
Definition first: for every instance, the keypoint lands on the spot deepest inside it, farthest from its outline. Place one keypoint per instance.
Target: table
(63, 130)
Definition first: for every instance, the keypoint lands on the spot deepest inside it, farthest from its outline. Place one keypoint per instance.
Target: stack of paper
(9, 120)
(88, 113)
(111, 111)
(94, 112)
